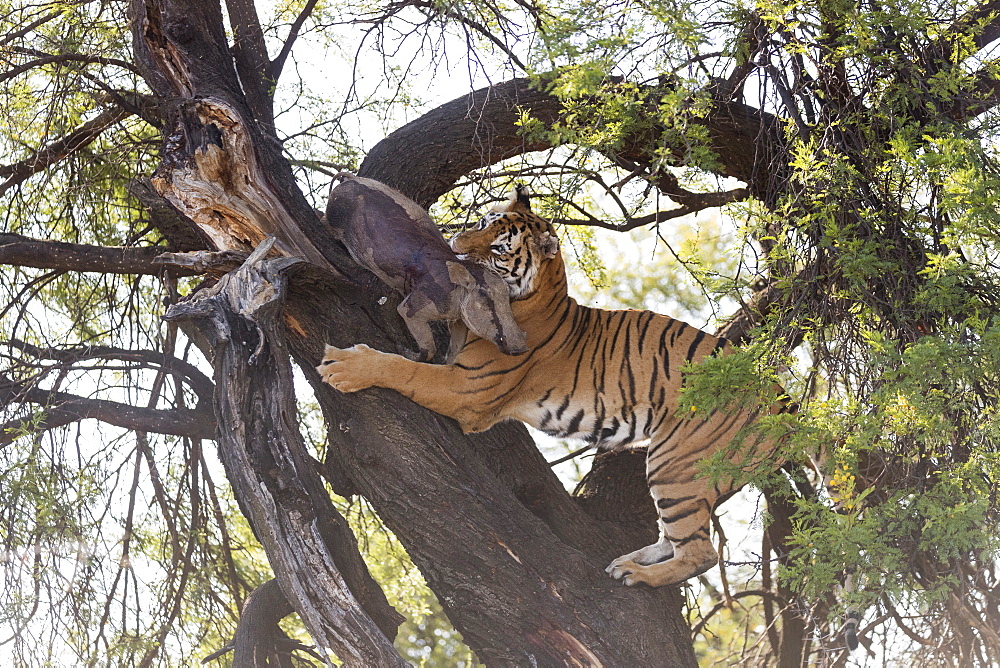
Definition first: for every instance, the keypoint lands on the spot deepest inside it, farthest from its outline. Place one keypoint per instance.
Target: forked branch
(62, 408)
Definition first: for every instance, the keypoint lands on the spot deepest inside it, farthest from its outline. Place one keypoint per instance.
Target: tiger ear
(521, 198)
(548, 243)
(518, 200)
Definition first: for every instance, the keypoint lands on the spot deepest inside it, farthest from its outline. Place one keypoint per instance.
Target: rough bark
(259, 642)
(517, 564)
(237, 194)
(425, 157)
(21, 251)
(258, 635)
(181, 233)
(267, 464)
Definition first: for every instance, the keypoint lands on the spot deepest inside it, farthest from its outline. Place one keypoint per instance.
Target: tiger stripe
(608, 377)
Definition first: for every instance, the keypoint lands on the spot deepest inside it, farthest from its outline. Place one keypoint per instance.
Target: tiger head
(512, 241)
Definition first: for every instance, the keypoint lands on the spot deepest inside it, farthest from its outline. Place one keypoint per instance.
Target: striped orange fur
(608, 377)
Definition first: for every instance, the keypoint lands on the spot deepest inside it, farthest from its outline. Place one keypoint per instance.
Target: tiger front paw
(348, 369)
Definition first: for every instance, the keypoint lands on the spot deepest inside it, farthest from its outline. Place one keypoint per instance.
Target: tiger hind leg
(672, 571)
(665, 562)
(659, 551)
(684, 549)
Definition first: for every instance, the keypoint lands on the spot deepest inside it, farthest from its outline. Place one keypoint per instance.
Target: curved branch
(704, 201)
(24, 30)
(46, 156)
(47, 59)
(426, 157)
(62, 408)
(201, 384)
(258, 634)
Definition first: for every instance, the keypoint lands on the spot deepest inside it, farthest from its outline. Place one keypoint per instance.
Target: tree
(853, 144)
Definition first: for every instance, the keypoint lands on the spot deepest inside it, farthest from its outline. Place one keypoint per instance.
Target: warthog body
(391, 236)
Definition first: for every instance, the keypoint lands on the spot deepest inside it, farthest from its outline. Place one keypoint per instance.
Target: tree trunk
(273, 478)
(515, 561)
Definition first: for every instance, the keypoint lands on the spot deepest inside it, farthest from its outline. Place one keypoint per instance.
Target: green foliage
(687, 269)
(876, 212)
(884, 232)
(742, 379)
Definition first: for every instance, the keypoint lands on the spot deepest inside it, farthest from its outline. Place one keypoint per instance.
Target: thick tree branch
(203, 262)
(47, 156)
(421, 474)
(22, 251)
(250, 54)
(426, 157)
(259, 641)
(222, 185)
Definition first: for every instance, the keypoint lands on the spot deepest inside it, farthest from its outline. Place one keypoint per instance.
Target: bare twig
(201, 384)
(762, 593)
(571, 455)
(47, 59)
(707, 200)
(63, 408)
(278, 64)
(10, 37)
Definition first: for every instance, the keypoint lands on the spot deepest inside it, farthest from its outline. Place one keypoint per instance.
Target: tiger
(609, 377)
